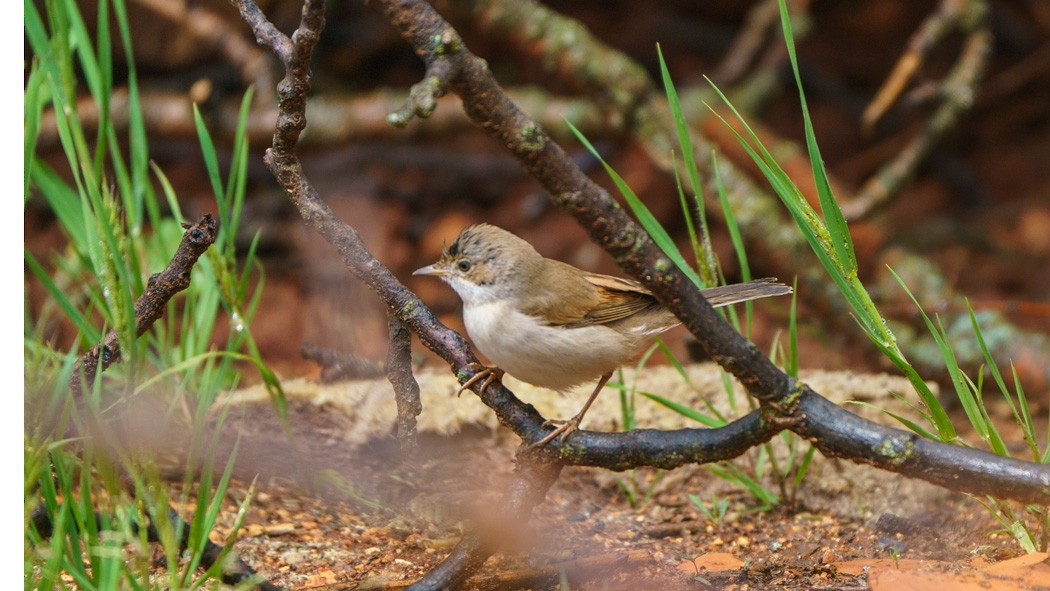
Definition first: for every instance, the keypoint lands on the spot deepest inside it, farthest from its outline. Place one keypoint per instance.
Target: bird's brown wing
(583, 299)
(617, 299)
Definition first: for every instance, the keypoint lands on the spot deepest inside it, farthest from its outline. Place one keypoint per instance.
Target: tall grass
(97, 493)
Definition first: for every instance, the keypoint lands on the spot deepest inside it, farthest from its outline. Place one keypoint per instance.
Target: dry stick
(406, 390)
(950, 15)
(337, 117)
(957, 94)
(210, 29)
(786, 403)
(160, 288)
(761, 23)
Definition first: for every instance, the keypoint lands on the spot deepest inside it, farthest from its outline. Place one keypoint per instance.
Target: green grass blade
(792, 368)
(803, 466)
(236, 184)
(685, 411)
(689, 382)
(211, 163)
(104, 62)
(765, 496)
(731, 224)
(937, 415)
(63, 201)
(836, 222)
(82, 324)
(911, 425)
(645, 217)
(138, 145)
(33, 110)
(707, 262)
(737, 240)
(169, 193)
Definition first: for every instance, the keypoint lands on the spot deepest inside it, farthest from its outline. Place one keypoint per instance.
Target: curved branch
(667, 449)
(838, 432)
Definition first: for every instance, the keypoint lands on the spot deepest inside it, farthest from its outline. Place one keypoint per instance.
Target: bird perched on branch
(550, 324)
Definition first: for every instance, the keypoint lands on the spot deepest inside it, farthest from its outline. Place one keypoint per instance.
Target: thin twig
(762, 19)
(957, 94)
(423, 96)
(949, 16)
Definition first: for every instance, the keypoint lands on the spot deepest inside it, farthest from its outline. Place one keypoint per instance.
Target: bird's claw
(564, 429)
(489, 375)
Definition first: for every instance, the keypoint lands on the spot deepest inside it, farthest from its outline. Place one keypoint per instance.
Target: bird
(550, 324)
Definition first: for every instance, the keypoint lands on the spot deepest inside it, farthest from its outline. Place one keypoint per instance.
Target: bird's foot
(564, 429)
(487, 375)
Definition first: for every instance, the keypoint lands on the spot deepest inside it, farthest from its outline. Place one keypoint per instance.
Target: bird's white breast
(546, 356)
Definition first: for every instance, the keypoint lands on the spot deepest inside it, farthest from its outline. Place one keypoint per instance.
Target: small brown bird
(550, 324)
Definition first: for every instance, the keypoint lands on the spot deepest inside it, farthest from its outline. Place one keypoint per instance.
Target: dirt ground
(343, 508)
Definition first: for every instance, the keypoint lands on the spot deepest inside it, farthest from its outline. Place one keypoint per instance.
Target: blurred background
(949, 183)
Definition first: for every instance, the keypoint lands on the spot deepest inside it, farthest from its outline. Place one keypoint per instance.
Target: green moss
(445, 43)
(407, 309)
(662, 265)
(397, 119)
(897, 449)
(532, 138)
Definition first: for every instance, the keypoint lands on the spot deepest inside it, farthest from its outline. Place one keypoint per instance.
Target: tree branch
(160, 288)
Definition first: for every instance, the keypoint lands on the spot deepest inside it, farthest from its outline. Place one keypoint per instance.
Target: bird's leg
(565, 428)
(490, 375)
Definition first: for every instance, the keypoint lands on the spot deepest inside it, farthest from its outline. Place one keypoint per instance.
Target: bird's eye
(464, 266)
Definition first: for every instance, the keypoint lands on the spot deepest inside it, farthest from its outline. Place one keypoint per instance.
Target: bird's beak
(429, 270)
